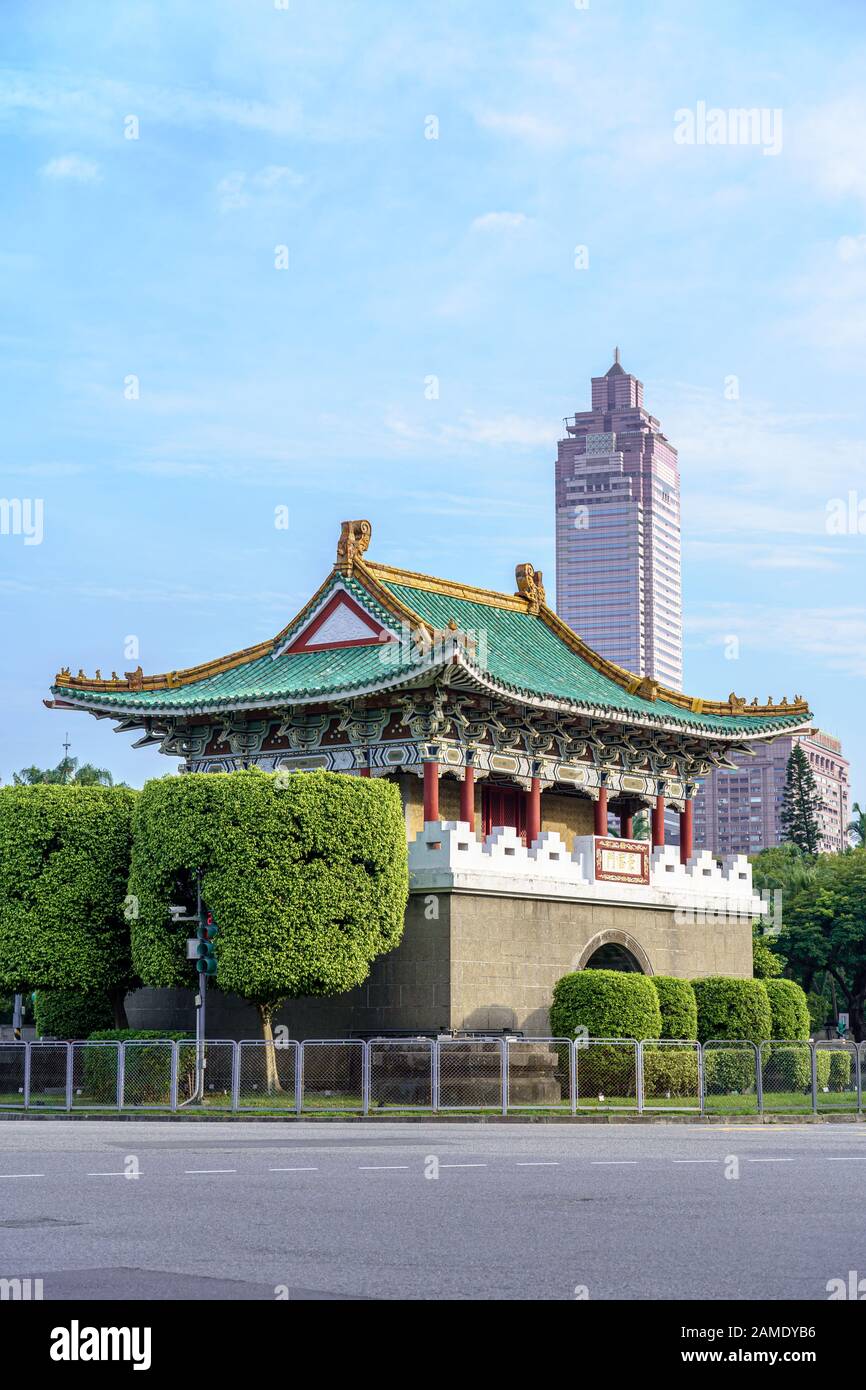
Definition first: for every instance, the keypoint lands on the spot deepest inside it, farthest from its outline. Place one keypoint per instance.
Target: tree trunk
(117, 996)
(266, 1016)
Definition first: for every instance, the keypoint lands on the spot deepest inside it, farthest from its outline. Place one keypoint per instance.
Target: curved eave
(759, 727)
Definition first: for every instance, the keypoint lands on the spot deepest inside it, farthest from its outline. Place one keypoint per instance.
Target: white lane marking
(293, 1170)
(462, 1165)
(697, 1160)
(613, 1162)
(381, 1167)
(210, 1170)
(847, 1158)
(22, 1175)
(540, 1164)
(769, 1160)
(111, 1175)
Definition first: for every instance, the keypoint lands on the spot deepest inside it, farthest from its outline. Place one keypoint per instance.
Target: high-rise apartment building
(740, 811)
(618, 577)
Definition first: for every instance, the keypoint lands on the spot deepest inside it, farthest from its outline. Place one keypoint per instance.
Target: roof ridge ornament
(355, 536)
(530, 585)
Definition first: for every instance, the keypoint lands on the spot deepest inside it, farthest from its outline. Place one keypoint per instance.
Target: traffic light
(207, 933)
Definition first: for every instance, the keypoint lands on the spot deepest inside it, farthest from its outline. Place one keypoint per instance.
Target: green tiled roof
(523, 654)
(518, 653)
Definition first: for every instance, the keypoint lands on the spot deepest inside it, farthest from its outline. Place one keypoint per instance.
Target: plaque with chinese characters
(622, 861)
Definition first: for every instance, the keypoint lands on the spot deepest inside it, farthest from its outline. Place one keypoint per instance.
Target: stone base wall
(470, 960)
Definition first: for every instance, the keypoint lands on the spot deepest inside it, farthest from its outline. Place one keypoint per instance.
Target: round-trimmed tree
(306, 875)
(790, 1010)
(732, 1008)
(678, 1006)
(64, 864)
(607, 1003)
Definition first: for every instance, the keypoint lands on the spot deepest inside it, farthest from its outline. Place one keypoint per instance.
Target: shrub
(608, 1071)
(789, 1008)
(730, 1008)
(306, 876)
(64, 865)
(670, 1071)
(60, 1013)
(678, 1006)
(730, 1070)
(148, 1072)
(833, 1067)
(788, 1067)
(607, 1003)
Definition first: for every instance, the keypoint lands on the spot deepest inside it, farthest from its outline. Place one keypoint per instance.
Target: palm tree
(857, 825)
(67, 771)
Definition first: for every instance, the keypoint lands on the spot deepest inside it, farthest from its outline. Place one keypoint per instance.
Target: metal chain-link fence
(472, 1074)
(787, 1076)
(837, 1068)
(334, 1075)
(671, 1074)
(540, 1074)
(49, 1078)
(95, 1076)
(401, 1073)
(148, 1074)
(13, 1074)
(731, 1077)
(722, 1076)
(268, 1075)
(606, 1074)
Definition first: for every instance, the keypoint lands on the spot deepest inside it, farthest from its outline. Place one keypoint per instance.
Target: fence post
(27, 1061)
(299, 1084)
(814, 1061)
(759, 1075)
(236, 1073)
(572, 1076)
(365, 1078)
(859, 1064)
(172, 1085)
(69, 1078)
(701, 1076)
(434, 1062)
(639, 1078)
(504, 1045)
(121, 1073)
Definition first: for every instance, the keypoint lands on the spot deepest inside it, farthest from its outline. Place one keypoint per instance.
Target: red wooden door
(503, 806)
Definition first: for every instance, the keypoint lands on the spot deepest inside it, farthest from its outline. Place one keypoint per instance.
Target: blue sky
(408, 258)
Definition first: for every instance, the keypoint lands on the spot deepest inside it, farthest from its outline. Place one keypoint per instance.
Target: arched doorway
(614, 950)
(614, 957)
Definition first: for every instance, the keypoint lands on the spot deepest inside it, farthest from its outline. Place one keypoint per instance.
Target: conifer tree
(802, 804)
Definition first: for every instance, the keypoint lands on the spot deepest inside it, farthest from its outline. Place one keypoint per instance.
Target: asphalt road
(431, 1211)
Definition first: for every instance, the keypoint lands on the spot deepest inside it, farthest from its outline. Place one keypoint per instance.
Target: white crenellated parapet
(447, 854)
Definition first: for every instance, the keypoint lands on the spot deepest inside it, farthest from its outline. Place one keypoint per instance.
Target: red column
(659, 822)
(626, 824)
(365, 770)
(533, 812)
(467, 797)
(601, 812)
(687, 832)
(431, 792)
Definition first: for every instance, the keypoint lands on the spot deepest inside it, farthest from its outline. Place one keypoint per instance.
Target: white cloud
(500, 221)
(524, 126)
(72, 166)
(851, 248)
(239, 190)
(834, 636)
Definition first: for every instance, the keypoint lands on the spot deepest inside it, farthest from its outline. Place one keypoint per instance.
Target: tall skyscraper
(740, 811)
(618, 574)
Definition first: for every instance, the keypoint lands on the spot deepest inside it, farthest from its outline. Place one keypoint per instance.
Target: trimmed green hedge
(789, 1008)
(607, 1003)
(731, 1008)
(679, 1008)
(148, 1071)
(64, 864)
(671, 1073)
(60, 1013)
(306, 876)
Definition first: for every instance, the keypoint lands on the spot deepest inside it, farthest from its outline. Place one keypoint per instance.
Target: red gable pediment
(341, 622)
